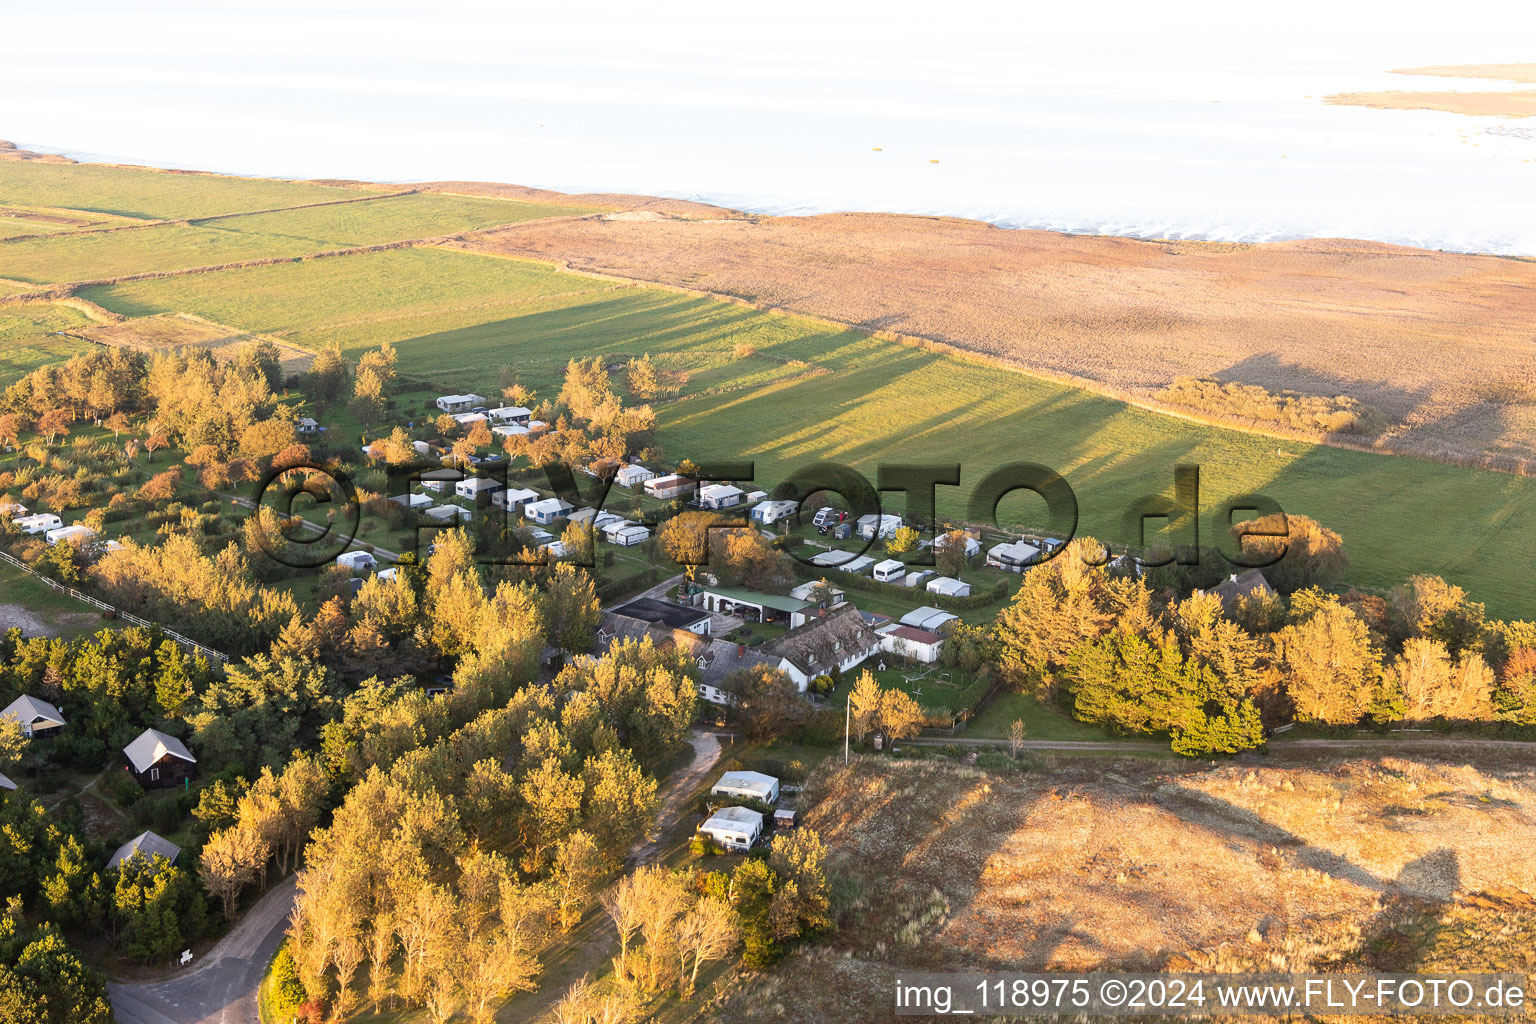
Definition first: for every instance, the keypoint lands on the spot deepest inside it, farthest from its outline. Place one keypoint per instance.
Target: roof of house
(151, 746)
(547, 505)
(455, 399)
(1240, 586)
(719, 491)
(670, 480)
(733, 819)
(477, 483)
(27, 710)
(825, 641)
(755, 782)
(778, 602)
(667, 614)
(148, 844)
(913, 635)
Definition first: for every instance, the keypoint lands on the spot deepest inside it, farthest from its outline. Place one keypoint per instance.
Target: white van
(890, 571)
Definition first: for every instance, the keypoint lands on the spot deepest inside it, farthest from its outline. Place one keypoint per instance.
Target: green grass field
(108, 254)
(808, 392)
(28, 340)
(154, 195)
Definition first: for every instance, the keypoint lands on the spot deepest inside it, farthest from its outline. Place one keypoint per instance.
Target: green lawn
(935, 687)
(29, 338)
(1041, 721)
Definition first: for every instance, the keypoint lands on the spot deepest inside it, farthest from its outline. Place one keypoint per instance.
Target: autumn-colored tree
(642, 380)
(1434, 684)
(1329, 665)
(54, 423)
(577, 869)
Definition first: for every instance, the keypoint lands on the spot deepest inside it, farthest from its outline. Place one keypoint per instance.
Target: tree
(768, 702)
(578, 867)
(903, 541)
(54, 422)
(642, 380)
(620, 802)
(1428, 606)
(1434, 684)
(117, 423)
(1313, 555)
(13, 742)
(1015, 738)
(685, 539)
(900, 715)
(228, 864)
(864, 705)
(706, 933)
(1514, 698)
(368, 395)
(552, 797)
(155, 907)
(571, 608)
(328, 374)
(54, 984)
(1328, 664)
(949, 553)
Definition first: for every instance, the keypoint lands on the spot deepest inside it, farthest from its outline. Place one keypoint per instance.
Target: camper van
(891, 570)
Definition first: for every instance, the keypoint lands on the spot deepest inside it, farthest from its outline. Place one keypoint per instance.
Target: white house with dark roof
(147, 845)
(911, 642)
(37, 718)
(836, 638)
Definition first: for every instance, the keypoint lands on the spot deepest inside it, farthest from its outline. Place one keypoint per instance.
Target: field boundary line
(1510, 465)
(185, 641)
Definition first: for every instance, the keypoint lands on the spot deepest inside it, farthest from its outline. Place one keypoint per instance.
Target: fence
(185, 641)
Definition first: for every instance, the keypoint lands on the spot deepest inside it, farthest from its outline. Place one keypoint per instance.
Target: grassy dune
(258, 236)
(785, 391)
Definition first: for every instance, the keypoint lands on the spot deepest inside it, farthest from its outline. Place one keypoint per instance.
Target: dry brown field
(183, 330)
(1390, 864)
(1442, 344)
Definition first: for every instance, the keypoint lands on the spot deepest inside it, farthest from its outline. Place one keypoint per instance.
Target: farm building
(76, 534)
(510, 414)
(929, 618)
(459, 403)
(412, 501)
(911, 642)
(157, 760)
(666, 614)
(512, 500)
(547, 511)
(892, 570)
(478, 489)
(632, 475)
(751, 605)
(872, 527)
(665, 488)
(747, 786)
(946, 586)
(147, 845)
(449, 514)
(357, 561)
(838, 638)
(1013, 557)
(718, 496)
(735, 828)
(42, 522)
(38, 719)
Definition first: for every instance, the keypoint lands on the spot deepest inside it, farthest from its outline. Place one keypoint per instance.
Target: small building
(783, 817)
(808, 591)
(478, 489)
(157, 760)
(147, 845)
(929, 618)
(833, 639)
(412, 501)
(547, 511)
(1238, 586)
(1013, 556)
(753, 497)
(751, 605)
(735, 828)
(307, 427)
(747, 786)
(509, 415)
(667, 614)
(665, 488)
(892, 570)
(718, 496)
(38, 719)
(769, 512)
(844, 561)
(357, 561)
(917, 577)
(77, 534)
(512, 499)
(911, 642)
(632, 475)
(873, 527)
(948, 586)
(469, 419)
(449, 514)
(42, 522)
(453, 404)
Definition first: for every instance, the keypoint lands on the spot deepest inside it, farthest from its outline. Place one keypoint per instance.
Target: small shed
(632, 475)
(735, 828)
(717, 496)
(157, 760)
(38, 718)
(547, 511)
(784, 817)
(147, 845)
(948, 586)
(748, 786)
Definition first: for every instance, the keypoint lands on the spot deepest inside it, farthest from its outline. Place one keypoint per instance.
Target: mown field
(784, 391)
(107, 254)
(28, 338)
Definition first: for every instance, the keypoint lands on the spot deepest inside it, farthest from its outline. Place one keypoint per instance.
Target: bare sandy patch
(185, 330)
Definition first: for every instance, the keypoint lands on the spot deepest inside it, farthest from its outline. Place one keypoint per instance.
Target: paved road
(221, 988)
